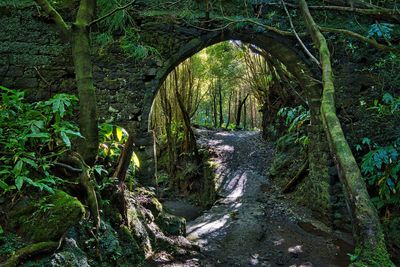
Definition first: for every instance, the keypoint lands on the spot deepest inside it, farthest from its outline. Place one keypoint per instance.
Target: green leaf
(65, 139)
(100, 169)
(38, 135)
(135, 160)
(3, 185)
(75, 133)
(119, 134)
(18, 167)
(30, 162)
(19, 182)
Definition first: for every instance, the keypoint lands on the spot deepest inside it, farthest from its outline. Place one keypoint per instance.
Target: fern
(120, 21)
(381, 30)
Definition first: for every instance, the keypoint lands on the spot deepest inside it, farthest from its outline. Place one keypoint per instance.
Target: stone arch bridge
(33, 57)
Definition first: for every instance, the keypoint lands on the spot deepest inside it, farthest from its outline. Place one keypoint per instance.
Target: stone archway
(288, 53)
(126, 88)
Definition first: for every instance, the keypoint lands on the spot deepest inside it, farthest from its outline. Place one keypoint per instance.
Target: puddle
(343, 246)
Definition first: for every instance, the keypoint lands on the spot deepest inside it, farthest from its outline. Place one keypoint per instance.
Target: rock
(171, 224)
(139, 232)
(154, 206)
(46, 219)
(71, 255)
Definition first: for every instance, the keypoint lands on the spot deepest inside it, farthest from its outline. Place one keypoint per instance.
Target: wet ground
(252, 224)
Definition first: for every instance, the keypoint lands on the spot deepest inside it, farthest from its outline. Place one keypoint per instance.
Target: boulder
(47, 218)
(171, 224)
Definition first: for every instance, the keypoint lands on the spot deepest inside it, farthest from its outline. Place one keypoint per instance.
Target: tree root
(86, 181)
(28, 252)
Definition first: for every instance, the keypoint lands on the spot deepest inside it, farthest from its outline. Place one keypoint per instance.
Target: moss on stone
(29, 251)
(173, 225)
(48, 218)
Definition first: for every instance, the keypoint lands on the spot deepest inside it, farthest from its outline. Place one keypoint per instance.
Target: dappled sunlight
(207, 227)
(296, 249)
(234, 188)
(279, 242)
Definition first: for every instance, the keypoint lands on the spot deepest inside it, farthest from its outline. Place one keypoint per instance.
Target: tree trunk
(221, 116)
(367, 230)
(245, 115)
(229, 111)
(81, 55)
(215, 108)
(186, 120)
(239, 111)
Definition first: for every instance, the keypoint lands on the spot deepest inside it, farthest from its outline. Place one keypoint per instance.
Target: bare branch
(380, 13)
(111, 13)
(298, 37)
(50, 10)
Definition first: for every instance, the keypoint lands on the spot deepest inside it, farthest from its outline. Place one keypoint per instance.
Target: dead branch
(289, 187)
(298, 37)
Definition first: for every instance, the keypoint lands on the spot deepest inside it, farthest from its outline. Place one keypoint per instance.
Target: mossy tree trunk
(81, 54)
(367, 230)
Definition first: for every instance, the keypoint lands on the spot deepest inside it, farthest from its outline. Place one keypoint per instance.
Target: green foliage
(294, 119)
(32, 135)
(9, 243)
(119, 21)
(133, 47)
(389, 105)
(381, 168)
(112, 139)
(380, 30)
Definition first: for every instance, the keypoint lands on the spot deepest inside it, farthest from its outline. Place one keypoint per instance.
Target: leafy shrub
(112, 139)
(380, 30)
(389, 105)
(294, 119)
(381, 168)
(133, 47)
(32, 136)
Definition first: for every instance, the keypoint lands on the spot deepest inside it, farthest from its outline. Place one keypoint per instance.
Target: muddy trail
(252, 223)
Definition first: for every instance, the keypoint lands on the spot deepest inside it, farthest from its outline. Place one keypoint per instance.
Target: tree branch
(111, 13)
(50, 10)
(359, 37)
(298, 37)
(380, 13)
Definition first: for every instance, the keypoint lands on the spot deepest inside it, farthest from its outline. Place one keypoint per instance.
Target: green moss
(132, 252)
(173, 225)
(373, 257)
(48, 218)
(29, 251)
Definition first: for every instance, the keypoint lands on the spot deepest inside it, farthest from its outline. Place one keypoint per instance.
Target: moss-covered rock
(46, 219)
(171, 224)
(138, 231)
(149, 200)
(71, 255)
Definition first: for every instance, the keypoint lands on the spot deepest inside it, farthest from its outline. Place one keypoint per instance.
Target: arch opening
(230, 85)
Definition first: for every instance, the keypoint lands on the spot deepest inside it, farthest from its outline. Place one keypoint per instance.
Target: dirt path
(252, 224)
